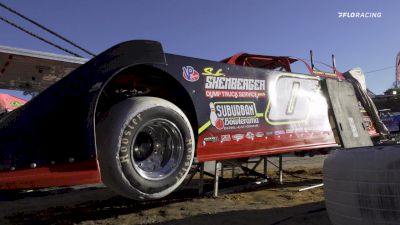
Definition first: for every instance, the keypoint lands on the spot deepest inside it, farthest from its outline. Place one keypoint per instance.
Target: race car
(135, 117)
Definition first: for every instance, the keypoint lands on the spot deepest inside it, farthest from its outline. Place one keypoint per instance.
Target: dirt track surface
(266, 204)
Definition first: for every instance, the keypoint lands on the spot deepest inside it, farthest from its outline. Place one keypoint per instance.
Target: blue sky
(217, 29)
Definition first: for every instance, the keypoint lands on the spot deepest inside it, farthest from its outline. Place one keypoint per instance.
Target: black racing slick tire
(362, 186)
(145, 148)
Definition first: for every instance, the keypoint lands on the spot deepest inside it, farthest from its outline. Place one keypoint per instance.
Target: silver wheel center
(157, 149)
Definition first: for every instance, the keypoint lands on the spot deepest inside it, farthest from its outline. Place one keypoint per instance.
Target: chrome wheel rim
(157, 149)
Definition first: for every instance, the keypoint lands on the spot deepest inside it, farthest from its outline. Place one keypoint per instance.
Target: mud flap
(344, 104)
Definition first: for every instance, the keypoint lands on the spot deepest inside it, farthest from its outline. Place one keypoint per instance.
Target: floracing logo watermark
(361, 15)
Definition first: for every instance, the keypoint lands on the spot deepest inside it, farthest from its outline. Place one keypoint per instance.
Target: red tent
(9, 102)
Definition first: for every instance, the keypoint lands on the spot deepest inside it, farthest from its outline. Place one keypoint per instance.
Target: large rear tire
(362, 185)
(145, 148)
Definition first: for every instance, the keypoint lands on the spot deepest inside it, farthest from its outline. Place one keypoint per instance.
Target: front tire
(145, 148)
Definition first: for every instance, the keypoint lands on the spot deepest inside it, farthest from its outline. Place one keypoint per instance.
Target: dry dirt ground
(264, 204)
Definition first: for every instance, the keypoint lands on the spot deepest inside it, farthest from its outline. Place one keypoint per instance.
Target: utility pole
(397, 70)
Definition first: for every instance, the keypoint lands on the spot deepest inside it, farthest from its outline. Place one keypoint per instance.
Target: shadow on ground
(76, 206)
(96, 205)
(307, 214)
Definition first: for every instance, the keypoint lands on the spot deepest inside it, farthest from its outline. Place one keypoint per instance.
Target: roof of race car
(33, 71)
(261, 61)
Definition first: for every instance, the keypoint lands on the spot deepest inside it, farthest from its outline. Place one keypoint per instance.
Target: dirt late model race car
(135, 118)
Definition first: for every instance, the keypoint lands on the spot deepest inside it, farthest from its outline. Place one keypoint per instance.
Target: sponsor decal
(237, 137)
(210, 139)
(234, 83)
(225, 137)
(353, 127)
(209, 71)
(16, 104)
(269, 133)
(250, 135)
(279, 132)
(219, 86)
(233, 115)
(260, 134)
(234, 94)
(190, 74)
